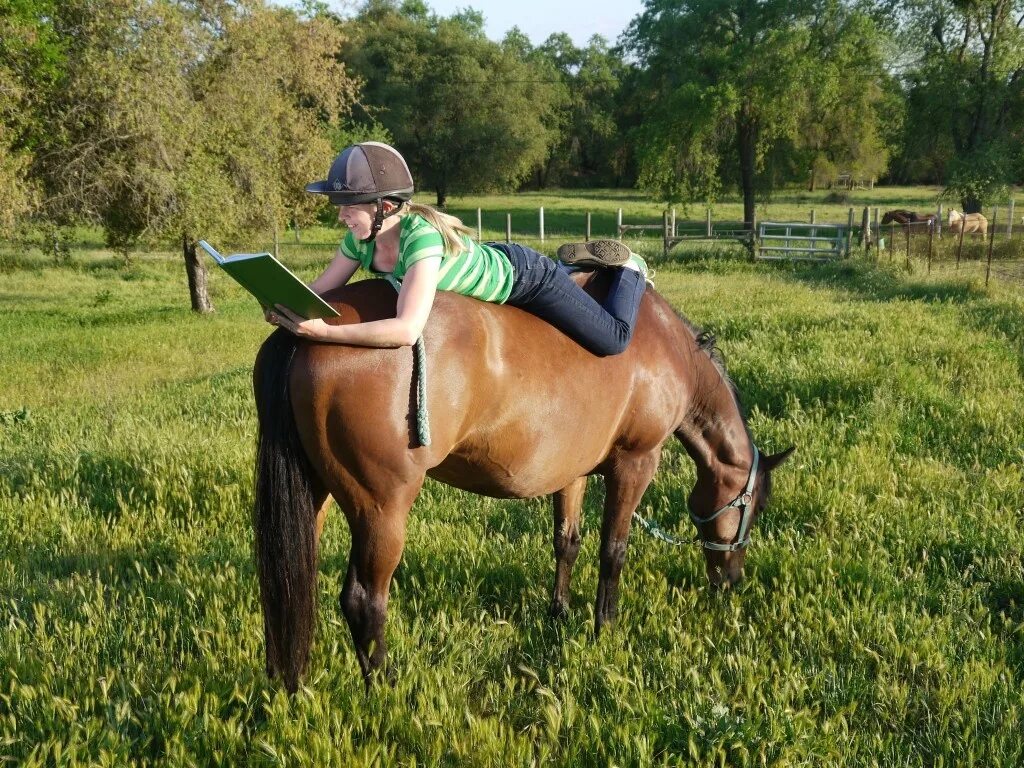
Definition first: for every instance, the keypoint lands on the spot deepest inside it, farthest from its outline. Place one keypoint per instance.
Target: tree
(467, 114)
(965, 95)
(176, 119)
(727, 83)
(592, 143)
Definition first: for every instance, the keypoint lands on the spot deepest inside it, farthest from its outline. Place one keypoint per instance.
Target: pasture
(881, 621)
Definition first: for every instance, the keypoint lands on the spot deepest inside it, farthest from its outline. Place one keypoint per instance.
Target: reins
(420, 373)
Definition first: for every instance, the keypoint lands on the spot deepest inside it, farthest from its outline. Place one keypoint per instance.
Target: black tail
(284, 517)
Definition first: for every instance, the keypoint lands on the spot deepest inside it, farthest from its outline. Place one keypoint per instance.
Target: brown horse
(517, 410)
(907, 218)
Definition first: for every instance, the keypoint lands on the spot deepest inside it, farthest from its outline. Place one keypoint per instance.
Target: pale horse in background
(971, 222)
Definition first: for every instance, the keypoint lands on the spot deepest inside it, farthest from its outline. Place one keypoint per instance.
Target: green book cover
(271, 282)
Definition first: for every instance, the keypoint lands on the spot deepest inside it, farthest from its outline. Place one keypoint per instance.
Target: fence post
(878, 234)
(277, 243)
(618, 225)
(892, 240)
(542, 223)
(865, 229)
(664, 232)
(673, 222)
(508, 227)
(753, 238)
(931, 231)
(479, 225)
(588, 227)
(813, 217)
(960, 245)
(938, 222)
(849, 232)
(906, 227)
(1009, 222)
(991, 240)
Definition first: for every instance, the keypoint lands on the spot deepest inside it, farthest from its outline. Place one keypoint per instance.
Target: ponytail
(451, 228)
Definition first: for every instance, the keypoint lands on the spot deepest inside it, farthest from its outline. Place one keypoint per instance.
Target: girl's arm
(414, 303)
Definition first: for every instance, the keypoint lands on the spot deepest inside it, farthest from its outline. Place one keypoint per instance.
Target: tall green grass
(881, 621)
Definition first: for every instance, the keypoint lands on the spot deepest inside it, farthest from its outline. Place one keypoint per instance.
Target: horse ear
(771, 462)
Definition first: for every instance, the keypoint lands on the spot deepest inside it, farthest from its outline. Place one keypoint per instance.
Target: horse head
(725, 533)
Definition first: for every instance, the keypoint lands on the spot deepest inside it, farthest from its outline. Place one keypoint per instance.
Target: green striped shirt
(480, 271)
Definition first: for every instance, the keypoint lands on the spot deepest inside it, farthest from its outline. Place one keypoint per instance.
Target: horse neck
(714, 433)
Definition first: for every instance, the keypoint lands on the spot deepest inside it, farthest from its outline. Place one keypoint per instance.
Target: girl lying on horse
(426, 251)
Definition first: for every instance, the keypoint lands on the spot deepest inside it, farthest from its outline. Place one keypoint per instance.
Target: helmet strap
(378, 218)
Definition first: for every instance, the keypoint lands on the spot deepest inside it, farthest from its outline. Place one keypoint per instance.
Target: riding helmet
(364, 173)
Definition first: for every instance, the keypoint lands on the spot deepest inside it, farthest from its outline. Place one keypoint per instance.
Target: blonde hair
(451, 228)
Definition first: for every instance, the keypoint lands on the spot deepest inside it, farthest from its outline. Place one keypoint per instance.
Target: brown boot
(596, 253)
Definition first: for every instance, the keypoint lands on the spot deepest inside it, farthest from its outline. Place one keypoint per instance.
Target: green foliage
(467, 113)
(881, 621)
(964, 96)
(170, 120)
(753, 95)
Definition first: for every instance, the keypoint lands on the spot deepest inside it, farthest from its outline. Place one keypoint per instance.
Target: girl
(427, 251)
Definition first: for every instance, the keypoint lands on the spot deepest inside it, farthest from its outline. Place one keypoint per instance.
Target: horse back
(516, 408)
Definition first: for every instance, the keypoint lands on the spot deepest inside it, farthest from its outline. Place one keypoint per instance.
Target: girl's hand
(314, 329)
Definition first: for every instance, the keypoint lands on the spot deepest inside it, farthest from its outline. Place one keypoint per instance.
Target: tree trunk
(746, 139)
(196, 277)
(810, 186)
(442, 197)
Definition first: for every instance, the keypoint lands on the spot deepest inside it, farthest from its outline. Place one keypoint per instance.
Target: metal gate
(794, 241)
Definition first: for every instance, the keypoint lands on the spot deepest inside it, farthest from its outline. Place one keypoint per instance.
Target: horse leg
(568, 504)
(625, 484)
(378, 536)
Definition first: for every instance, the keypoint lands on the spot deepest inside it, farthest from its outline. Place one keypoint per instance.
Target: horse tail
(284, 517)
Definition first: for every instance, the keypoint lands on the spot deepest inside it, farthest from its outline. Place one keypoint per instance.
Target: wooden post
(878, 234)
(849, 232)
(892, 239)
(479, 225)
(673, 222)
(865, 230)
(708, 223)
(906, 229)
(588, 226)
(938, 222)
(960, 245)
(1009, 222)
(991, 240)
(618, 225)
(277, 243)
(297, 241)
(813, 217)
(542, 223)
(931, 231)
(508, 227)
(664, 231)
(753, 238)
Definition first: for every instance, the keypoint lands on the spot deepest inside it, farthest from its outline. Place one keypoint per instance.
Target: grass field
(881, 621)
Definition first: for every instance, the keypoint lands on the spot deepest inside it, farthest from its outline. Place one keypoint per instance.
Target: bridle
(744, 503)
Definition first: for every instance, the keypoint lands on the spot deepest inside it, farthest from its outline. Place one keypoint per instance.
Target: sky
(539, 18)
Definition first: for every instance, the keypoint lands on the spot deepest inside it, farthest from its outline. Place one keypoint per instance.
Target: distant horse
(907, 218)
(971, 222)
(517, 410)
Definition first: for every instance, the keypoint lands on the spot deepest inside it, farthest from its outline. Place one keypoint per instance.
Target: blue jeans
(543, 288)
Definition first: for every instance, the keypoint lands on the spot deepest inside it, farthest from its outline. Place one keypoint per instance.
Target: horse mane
(707, 343)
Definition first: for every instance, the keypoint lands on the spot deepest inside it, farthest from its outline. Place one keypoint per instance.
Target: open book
(271, 282)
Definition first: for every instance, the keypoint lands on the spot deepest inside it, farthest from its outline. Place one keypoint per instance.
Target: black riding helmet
(364, 173)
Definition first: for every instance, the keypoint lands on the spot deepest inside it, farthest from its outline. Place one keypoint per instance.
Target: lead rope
(420, 372)
(654, 530)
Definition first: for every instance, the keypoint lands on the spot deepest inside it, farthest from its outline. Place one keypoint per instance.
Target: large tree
(467, 113)
(179, 120)
(593, 147)
(965, 95)
(728, 82)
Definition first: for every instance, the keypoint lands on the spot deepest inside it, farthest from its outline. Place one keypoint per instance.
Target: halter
(743, 503)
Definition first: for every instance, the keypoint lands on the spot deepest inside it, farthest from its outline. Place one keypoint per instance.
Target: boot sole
(601, 253)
